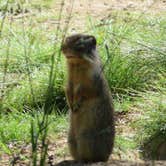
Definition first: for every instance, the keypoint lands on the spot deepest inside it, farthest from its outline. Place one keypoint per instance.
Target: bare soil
(101, 9)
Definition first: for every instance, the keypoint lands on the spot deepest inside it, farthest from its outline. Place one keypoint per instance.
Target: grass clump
(124, 143)
(13, 125)
(151, 126)
(133, 62)
(24, 95)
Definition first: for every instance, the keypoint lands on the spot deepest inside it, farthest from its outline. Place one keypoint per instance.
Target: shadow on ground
(113, 163)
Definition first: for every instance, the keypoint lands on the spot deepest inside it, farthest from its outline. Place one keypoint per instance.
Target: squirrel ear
(92, 41)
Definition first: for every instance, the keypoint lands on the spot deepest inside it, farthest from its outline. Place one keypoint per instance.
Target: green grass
(151, 125)
(130, 67)
(21, 96)
(136, 57)
(16, 6)
(15, 127)
(124, 143)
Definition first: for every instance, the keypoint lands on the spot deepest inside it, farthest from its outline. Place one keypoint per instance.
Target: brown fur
(91, 133)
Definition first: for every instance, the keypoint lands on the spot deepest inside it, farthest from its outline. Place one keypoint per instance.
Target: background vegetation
(33, 73)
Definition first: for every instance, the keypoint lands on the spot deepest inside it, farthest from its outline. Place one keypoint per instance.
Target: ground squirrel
(92, 131)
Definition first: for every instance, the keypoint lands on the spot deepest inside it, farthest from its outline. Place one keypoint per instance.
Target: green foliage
(124, 143)
(151, 126)
(18, 6)
(13, 125)
(129, 67)
(33, 95)
(135, 57)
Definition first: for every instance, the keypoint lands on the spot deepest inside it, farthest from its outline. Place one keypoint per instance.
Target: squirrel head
(79, 46)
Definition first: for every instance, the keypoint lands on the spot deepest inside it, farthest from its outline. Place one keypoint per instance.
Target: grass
(20, 97)
(134, 65)
(15, 6)
(129, 68)
(19, 123)
(151, 124)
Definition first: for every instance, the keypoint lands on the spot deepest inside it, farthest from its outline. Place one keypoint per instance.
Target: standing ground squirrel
(92, 131)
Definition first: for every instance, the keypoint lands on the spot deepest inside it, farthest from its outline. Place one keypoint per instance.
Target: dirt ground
(101, 9)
